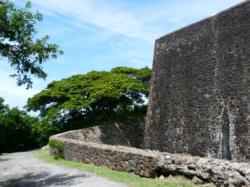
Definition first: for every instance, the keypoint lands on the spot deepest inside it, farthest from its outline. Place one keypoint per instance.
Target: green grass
(122, 177)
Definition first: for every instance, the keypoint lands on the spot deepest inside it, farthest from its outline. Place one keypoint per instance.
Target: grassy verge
(122, 177)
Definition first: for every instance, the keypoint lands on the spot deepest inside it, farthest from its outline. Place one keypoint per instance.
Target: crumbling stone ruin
(199, 106)
(200, 92)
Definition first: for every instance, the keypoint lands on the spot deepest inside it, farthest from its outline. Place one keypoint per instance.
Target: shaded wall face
(130, 133)
(200, 93)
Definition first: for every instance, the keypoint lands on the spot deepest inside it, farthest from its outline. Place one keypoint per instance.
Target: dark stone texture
(153, 164)
(200, 85)
(225, 144)
(129, 134)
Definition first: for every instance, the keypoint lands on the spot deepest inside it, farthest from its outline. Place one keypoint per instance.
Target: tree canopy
(19, 45)
(95, 97)
(19, 131)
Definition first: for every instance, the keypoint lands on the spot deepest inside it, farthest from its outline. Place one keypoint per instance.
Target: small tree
(18, 44)
(93, 98)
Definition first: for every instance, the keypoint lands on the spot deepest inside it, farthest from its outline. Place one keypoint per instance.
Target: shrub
(56, 148)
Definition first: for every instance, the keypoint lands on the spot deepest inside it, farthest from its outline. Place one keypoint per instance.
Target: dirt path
(24, 170)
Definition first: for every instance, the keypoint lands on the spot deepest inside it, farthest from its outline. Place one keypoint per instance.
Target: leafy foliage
(93, 98)
(19, 131)
(41, 132)
(18, 44)
(57, 148)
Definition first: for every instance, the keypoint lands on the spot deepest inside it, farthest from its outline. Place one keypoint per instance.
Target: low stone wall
(129, 134)
(149, 163)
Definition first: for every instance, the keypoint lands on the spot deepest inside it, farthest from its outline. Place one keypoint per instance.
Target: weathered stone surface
(197, 180)
(120, 158)
(200, 89)
(129, 134)
(219, 172)
(149, 163)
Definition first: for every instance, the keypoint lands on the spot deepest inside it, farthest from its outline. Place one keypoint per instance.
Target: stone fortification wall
(148, 163)
(129, 134)
(200, 89)
(199, 104)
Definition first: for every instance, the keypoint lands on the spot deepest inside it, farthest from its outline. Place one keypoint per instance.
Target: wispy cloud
(144, 20)
(111, 15)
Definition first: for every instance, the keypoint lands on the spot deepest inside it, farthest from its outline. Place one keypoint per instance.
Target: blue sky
(102, 34)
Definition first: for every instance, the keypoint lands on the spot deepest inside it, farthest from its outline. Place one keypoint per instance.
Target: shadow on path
(4, 159)
(43, 179)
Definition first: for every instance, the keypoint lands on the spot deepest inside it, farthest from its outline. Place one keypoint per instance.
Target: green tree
(3, 110)
(19, 45)
(41, 131)
(93, 98)
(18, 128)
(19, 131)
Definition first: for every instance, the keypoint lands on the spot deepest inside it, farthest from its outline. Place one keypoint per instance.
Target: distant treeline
(19, 131)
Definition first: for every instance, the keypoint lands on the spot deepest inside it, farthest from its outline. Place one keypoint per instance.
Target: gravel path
(24, 170)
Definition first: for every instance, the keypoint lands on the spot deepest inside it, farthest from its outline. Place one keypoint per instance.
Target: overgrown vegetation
(122, 177)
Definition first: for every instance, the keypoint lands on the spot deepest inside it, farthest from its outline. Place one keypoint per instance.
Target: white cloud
(146, 22)
(106, 14)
